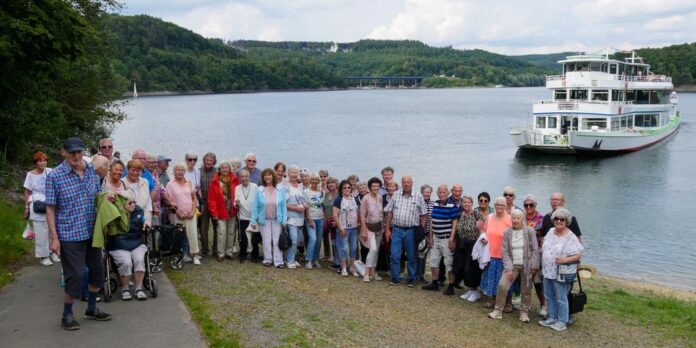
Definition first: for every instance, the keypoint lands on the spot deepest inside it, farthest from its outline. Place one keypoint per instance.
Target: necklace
(246, 194)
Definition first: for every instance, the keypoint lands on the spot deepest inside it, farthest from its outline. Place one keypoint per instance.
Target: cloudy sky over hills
(502, 26)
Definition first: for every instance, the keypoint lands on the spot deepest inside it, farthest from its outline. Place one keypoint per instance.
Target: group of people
(362, 227)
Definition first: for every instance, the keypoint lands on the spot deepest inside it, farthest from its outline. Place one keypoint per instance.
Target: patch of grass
(214, 332)
(12, 245)
(672, 317)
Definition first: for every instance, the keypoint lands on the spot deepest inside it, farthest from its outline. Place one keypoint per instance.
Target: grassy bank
(12, 245)
(251, 305)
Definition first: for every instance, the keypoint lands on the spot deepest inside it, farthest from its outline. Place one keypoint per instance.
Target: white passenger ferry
(601, 105)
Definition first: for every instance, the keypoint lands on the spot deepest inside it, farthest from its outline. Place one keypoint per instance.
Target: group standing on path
(495, 252)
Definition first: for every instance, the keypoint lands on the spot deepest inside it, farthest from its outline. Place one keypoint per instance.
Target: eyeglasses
(529, 205)
(107, 147)
(560, 219)
(509, 194)
(191, 159)
(130, 202)
(251, 161)
(483, 201)
(347, 188)
(500, 205)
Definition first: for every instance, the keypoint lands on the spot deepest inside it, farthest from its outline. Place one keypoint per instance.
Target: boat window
(617, 95)
(624, 122)
(560, 94)
(631, 95)
(578, 94)
(649, 120)
(642, 97)
(600, 94)
(585, 66)
(541, 122)
(612, 69)
(588, 123)
(656, 97)
(552, 122)
(615, 123)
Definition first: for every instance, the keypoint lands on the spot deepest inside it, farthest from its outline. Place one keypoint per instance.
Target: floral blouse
(466, 228)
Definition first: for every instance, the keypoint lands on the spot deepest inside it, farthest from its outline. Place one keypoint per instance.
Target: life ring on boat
(594, 83)
(563, 83)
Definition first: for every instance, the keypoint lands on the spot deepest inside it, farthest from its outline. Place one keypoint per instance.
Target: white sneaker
(543, 312)
(55, 258)
(377, 277)
(317, 264)
(46, 261)
(475, 296)
(308, 265)
(366, 278)
(197, 260)
(187, 258)
(344, 272)
(297, 264)
(292, 265)
(558, 326)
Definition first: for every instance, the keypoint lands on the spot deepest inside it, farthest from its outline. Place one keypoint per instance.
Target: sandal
(140, 295)
(126, 295)
(507, 308)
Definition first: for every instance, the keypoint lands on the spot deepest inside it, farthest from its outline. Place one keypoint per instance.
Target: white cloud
(503, 26)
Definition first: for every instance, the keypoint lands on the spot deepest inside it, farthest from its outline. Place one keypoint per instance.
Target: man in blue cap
(71, 190)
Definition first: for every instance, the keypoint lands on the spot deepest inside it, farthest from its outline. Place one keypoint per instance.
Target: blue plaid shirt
(75, 201)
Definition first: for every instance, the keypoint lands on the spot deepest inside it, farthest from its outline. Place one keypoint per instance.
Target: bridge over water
(384, 81)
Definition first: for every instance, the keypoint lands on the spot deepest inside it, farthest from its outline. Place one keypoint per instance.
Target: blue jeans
(403, 238)
(352, 242)
(341, 247)
(315, 235)
(556, 295)
(293, 230)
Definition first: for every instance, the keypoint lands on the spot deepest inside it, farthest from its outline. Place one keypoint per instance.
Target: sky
(511, 27)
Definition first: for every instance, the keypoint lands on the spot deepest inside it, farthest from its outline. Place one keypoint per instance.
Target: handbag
(196, 211)
(39, 207)
(576, 302)
(284, 241)
(375, 227)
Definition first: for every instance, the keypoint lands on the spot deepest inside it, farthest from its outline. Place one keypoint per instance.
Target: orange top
(495, 228)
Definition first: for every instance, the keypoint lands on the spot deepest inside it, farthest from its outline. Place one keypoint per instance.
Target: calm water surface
(634, 210)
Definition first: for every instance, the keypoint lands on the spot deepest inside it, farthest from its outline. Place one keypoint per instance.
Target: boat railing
(539, 138)
(634, 78)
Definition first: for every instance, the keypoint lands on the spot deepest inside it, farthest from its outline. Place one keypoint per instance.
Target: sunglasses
(107, 147)
(529, 205)
(483, 201)
(559, 219)
(509, 194)
(252, 161)
(347, 188)
(191, 159)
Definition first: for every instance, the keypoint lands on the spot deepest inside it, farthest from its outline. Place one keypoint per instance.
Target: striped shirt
(443, 216)
(74, 199)
(406, 210)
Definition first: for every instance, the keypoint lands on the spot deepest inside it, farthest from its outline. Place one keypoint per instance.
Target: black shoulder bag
(576, 302)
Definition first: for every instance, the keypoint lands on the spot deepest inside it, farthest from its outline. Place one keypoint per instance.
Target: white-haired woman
(134, 181)
(245, 198)
(182, 199)
(560, 253)
(297, 205)
(315, 221)
(495, 227)
(510, 193)
(221, 206)
(521, 260)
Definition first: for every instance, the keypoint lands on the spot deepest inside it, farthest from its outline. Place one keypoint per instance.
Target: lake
(632, 209)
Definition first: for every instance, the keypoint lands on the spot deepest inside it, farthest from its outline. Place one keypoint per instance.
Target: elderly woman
(244, 199)
(128, 250)
(304, 177)
(372, 227)
(560, 254)
(315, 221)
(520, 260)
(464, 267)
(140, 187)
(427, 192)
(236, 165)
(270, 212)
(353, 180)
(345, 213)
(535, 220)
(484, 208)
(297, 206)
(495, 226)
(223, 211)
(280, 168)
(323, 175)
(112, 182)
(510, 193)
(181, 195)
(329, 223)
(34, 197)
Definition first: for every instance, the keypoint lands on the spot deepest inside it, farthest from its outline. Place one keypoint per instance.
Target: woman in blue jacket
(271, 213)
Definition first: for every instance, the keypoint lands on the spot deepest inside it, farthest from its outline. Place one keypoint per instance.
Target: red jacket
(216, 202)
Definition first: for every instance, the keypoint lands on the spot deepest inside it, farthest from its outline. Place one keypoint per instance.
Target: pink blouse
(181, 195)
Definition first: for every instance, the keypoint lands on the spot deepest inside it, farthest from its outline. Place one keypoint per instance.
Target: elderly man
(250, 166)
(445, 215)
(387, 176)
(558, 201)
(406, 211)
(206, 174)
(106, 149)
(71, 190)
(163, 180)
